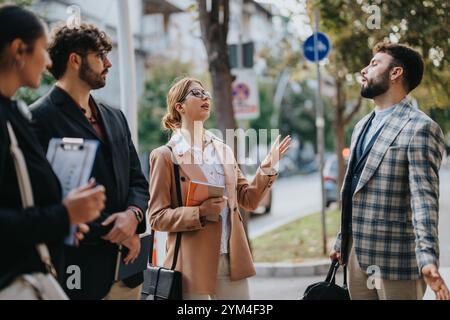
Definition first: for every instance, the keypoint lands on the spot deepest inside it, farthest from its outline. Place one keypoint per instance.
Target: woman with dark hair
(23, 59)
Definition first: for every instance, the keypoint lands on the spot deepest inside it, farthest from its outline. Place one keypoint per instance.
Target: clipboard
(72, 160)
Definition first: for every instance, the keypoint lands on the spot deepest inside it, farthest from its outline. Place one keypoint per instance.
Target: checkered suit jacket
(396, 202)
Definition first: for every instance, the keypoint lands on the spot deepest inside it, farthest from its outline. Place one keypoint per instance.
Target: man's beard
(373, 89)
(93, 79)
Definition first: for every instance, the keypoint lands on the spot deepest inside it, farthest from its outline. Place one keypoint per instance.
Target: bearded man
(390, 195)
(80, 65)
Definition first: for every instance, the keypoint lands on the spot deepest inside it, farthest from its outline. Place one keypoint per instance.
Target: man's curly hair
(82, 40)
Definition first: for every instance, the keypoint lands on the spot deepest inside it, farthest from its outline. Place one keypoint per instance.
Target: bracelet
(137, 214)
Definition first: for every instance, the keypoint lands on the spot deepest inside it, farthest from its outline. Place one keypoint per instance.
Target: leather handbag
(164, 283)
(328, 289)
(38, 285)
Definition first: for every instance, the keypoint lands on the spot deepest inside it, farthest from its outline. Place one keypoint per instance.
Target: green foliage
(22, 3)
(31, 95)
(442, 117)
(298, 117)
(298, 241)
(424, 25)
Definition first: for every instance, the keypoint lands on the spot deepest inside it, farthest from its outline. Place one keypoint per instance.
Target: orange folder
(199, 191)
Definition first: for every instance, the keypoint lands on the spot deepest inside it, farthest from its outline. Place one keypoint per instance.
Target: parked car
(330, 176)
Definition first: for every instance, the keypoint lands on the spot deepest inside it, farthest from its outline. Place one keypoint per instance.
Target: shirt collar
(391, 109)
(182, 146)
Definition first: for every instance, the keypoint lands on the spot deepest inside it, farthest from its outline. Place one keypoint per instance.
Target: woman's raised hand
(277, 152)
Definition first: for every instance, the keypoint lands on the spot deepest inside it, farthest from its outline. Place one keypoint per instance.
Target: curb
(285, 270)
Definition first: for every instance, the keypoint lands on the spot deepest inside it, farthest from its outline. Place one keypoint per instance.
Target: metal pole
(127, 68)
(320, 125)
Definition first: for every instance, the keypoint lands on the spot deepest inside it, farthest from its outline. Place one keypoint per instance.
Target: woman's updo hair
(177, 92)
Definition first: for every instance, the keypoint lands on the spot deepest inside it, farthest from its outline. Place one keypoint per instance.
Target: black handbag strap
(331, 276)
(176, 170)
(345, 276)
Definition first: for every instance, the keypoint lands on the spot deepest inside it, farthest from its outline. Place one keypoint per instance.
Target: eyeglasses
(201, 94)
(102, 55)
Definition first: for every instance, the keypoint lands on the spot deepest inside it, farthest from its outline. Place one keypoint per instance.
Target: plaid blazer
(396, 202)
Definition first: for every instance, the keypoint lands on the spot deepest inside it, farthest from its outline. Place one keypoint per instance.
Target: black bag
(163, 283)
(328, 290)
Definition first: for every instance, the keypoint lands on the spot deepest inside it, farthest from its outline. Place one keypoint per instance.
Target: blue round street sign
(324, 47)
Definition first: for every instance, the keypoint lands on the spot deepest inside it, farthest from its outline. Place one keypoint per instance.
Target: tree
(214, 31)
(423, 25)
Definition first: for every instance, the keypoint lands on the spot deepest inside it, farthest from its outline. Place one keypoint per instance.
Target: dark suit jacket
(117, 167)
(48, 221)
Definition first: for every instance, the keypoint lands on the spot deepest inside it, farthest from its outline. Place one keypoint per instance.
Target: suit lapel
(391, 129)
(355, 137)
(105, 123)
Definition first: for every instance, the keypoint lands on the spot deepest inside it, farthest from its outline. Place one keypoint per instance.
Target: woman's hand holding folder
(213, 206)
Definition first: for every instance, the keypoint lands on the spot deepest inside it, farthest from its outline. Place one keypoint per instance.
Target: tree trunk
(214, 29)
(222, 80)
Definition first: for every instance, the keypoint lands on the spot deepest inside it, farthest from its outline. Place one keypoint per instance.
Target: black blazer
(117, 167)
(48, 221)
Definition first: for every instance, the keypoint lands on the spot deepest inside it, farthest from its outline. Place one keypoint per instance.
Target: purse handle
(176, 170)
(331, 276)
(26, 192)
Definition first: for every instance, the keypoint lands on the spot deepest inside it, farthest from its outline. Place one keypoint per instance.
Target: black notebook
(140, 264)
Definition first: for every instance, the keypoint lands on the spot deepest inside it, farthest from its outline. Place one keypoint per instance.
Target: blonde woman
(214, 255)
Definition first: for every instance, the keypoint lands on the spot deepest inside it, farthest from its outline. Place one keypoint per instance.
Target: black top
(21, 230)
(116, 167)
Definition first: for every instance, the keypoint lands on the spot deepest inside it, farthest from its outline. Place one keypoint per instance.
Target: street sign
(245, 94)
(324, 47)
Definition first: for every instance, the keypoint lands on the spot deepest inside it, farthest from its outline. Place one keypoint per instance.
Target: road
(293, 197)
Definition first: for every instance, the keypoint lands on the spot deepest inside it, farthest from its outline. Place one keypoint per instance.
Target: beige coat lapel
(187, 165)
